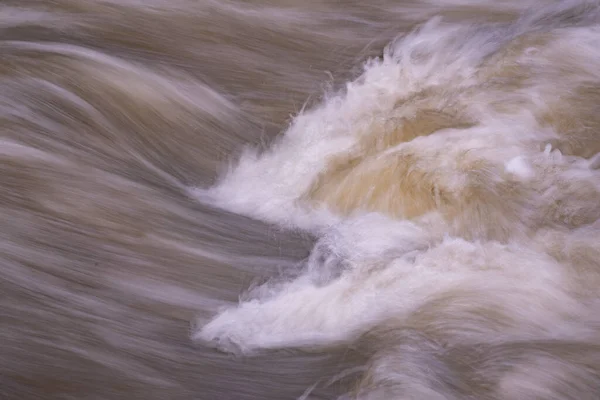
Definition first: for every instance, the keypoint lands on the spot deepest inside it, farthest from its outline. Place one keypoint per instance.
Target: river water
(272, 200)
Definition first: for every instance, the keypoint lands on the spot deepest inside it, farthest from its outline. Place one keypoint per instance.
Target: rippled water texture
(239, 200)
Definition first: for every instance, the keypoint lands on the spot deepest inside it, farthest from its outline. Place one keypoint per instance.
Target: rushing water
(286, 199)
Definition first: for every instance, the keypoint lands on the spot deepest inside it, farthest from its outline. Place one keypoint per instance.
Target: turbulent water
(271, 200)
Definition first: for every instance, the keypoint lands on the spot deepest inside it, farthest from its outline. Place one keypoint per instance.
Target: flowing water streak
(430, 231)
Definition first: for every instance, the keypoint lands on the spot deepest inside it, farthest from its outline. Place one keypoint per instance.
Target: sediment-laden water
(239, 200)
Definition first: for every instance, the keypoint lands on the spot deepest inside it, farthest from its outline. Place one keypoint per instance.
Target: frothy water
(370, 200)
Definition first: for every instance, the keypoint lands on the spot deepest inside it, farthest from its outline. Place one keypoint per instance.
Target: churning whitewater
(454, 188)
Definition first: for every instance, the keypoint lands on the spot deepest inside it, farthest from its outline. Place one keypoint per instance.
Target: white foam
(519, 167)
(368, 268)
